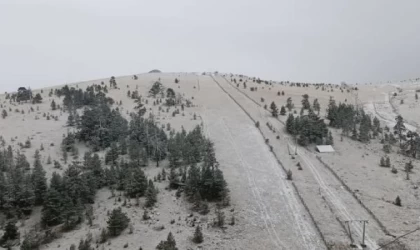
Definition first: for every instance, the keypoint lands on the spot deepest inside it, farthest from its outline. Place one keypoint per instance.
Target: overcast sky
(44, 43)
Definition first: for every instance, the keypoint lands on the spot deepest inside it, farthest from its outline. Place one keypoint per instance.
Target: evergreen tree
(85, 245)
(198, 235)
(56, 182)
(274, 110)
(173, 179)
(283, 110)
(354, 133)
(175, 146)
(387, 162)
(71, 212)
(330, 139)
(382, 162)
(136, 183)
(111, 156)
(39, 180)
(289, 104)
(10, 232)
(70, 119)
(399, 127)
(123, 147)
(53, 105)
(317, 106)
(169, 244)
(37, 99)
(51, 211)
(398, 201)
(376, 123)
(193, 181)
(151, 195)
(156, 89)
(305, 102)
(117, 222)
(290, 124)
(4, 114)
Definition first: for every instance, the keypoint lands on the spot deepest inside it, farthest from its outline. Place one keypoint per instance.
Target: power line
(399, 237)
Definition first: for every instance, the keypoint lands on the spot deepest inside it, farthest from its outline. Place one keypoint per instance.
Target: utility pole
(363, 235)
(351, 237)
(364, 227)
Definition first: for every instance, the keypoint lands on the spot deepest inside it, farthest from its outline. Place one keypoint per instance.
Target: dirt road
(344, 204)
(276, 219)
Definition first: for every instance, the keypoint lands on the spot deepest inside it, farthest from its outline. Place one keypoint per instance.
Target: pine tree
(274, 110)
(71, 212)
(290, 124)
(289, 175)
(163, 174)
(173, 179)
(117, 222)
(283, 110)
(4, 114)
(354, 133)
(305, 102)
(123, 147)
(56, 182)
(220, 217)
(39, 180)
(382, 162)
(398, 201)
(111, 156)
(193, 181)
(70, 119)
(330, 139)
(151, 195)
(37, 99)
(399, 127)
(289, 104)
(51, 211)
(387, 162)
(169, 244)
(10, 232)
(376, 123)
(84, 245)
(53, 105)
(317, 106)
(198, 235)
(136, 183)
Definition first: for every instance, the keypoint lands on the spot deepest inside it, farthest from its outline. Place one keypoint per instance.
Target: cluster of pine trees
(187, 151)
(23, 95)
(21, 187)
(129, 147)
(77, 98)
(352, 120)
(309, 129)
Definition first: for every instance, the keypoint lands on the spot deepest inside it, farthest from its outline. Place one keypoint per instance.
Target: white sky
(44, 43)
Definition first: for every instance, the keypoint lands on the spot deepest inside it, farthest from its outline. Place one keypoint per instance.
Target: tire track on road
(292, 202)
(334, 199)
(269, 227)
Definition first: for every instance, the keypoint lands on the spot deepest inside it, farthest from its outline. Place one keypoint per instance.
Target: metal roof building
(325, 149)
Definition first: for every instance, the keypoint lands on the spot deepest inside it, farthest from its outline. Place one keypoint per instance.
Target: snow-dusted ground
(366, 182)
(268, 211)
(274, 212)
